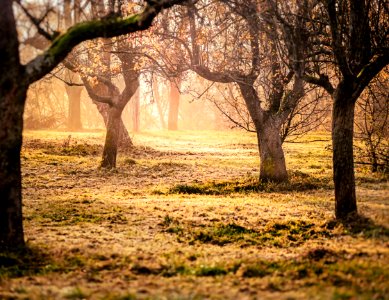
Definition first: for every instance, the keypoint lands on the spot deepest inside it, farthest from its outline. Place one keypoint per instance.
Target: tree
(236, 47)
(174, 103)
(116, 101)
(74, 97)
(344, 45)
(372, 120)
(15, 79)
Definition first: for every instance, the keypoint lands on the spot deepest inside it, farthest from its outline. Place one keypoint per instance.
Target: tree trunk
(272, 159)
(74, 115)
(13, 92)
(174, 102)
(136, 112)
(343, 158)
(124, 137)
(157, 99)
(111, 139)
(272, 163)
(11, 127)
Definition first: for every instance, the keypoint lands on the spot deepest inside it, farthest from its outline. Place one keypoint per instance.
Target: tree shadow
(24, 261)
(359, 225)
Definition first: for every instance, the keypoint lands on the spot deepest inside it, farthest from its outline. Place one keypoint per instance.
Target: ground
(184, 217)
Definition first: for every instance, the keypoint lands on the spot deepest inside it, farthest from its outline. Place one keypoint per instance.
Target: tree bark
(13, 90)
(111, 138)
(157, 99)
(74, 114)
(136, 112)
(272, 159)
(343, 157)
(124, 137)
(272, 163)
(174, 102)
(11, 127)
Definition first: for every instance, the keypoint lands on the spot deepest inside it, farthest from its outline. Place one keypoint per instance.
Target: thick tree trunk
(11, 127)
(272, 163)
(272, 159)
(13, 92)
(74, 114)
(343, 158)
(111, 139)
(174, 102)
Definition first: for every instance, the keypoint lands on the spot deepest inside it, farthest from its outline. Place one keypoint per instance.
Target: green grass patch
(274, 234)
(28, 261)
(298, 181)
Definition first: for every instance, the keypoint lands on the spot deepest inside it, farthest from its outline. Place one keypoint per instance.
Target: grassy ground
(183, 217)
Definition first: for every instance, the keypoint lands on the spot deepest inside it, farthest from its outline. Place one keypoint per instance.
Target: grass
(184, 217)
(299, 181)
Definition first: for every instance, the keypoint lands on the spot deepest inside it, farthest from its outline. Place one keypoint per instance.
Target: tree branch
(105, 27)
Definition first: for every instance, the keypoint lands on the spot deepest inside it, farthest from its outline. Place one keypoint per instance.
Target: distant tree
(372, 124)
(15, 79)
(174, 104)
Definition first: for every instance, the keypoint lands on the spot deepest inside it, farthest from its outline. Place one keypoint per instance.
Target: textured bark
(12, 100)
(111, 139)
(74, 114)
(124, 137)
(174, 102)
(11, 126)
(14, 82)
(272, 159)
(272, 166)
(343, 158)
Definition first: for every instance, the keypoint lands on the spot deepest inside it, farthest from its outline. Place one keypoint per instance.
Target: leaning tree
(15, 78)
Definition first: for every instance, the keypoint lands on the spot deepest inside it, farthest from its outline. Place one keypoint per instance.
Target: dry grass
(183, 217)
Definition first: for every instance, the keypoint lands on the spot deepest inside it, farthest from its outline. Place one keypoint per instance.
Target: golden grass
(126, 234)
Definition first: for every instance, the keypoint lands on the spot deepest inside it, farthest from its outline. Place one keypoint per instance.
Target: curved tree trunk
(124, 140)
(343, 158)
(272, 159)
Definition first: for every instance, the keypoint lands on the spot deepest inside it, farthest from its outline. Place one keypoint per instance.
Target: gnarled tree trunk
(272, 163)
(124, 138)
(343, 158)
(272, 159)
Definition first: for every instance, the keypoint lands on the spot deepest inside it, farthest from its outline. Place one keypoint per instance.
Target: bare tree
(15, 79)
(339, 45)
(372, 124)
(229, 43)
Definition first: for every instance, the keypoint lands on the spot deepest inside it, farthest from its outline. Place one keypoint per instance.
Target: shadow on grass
(25, 261)
(273, 233)
(359, 225)
(299, 181)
